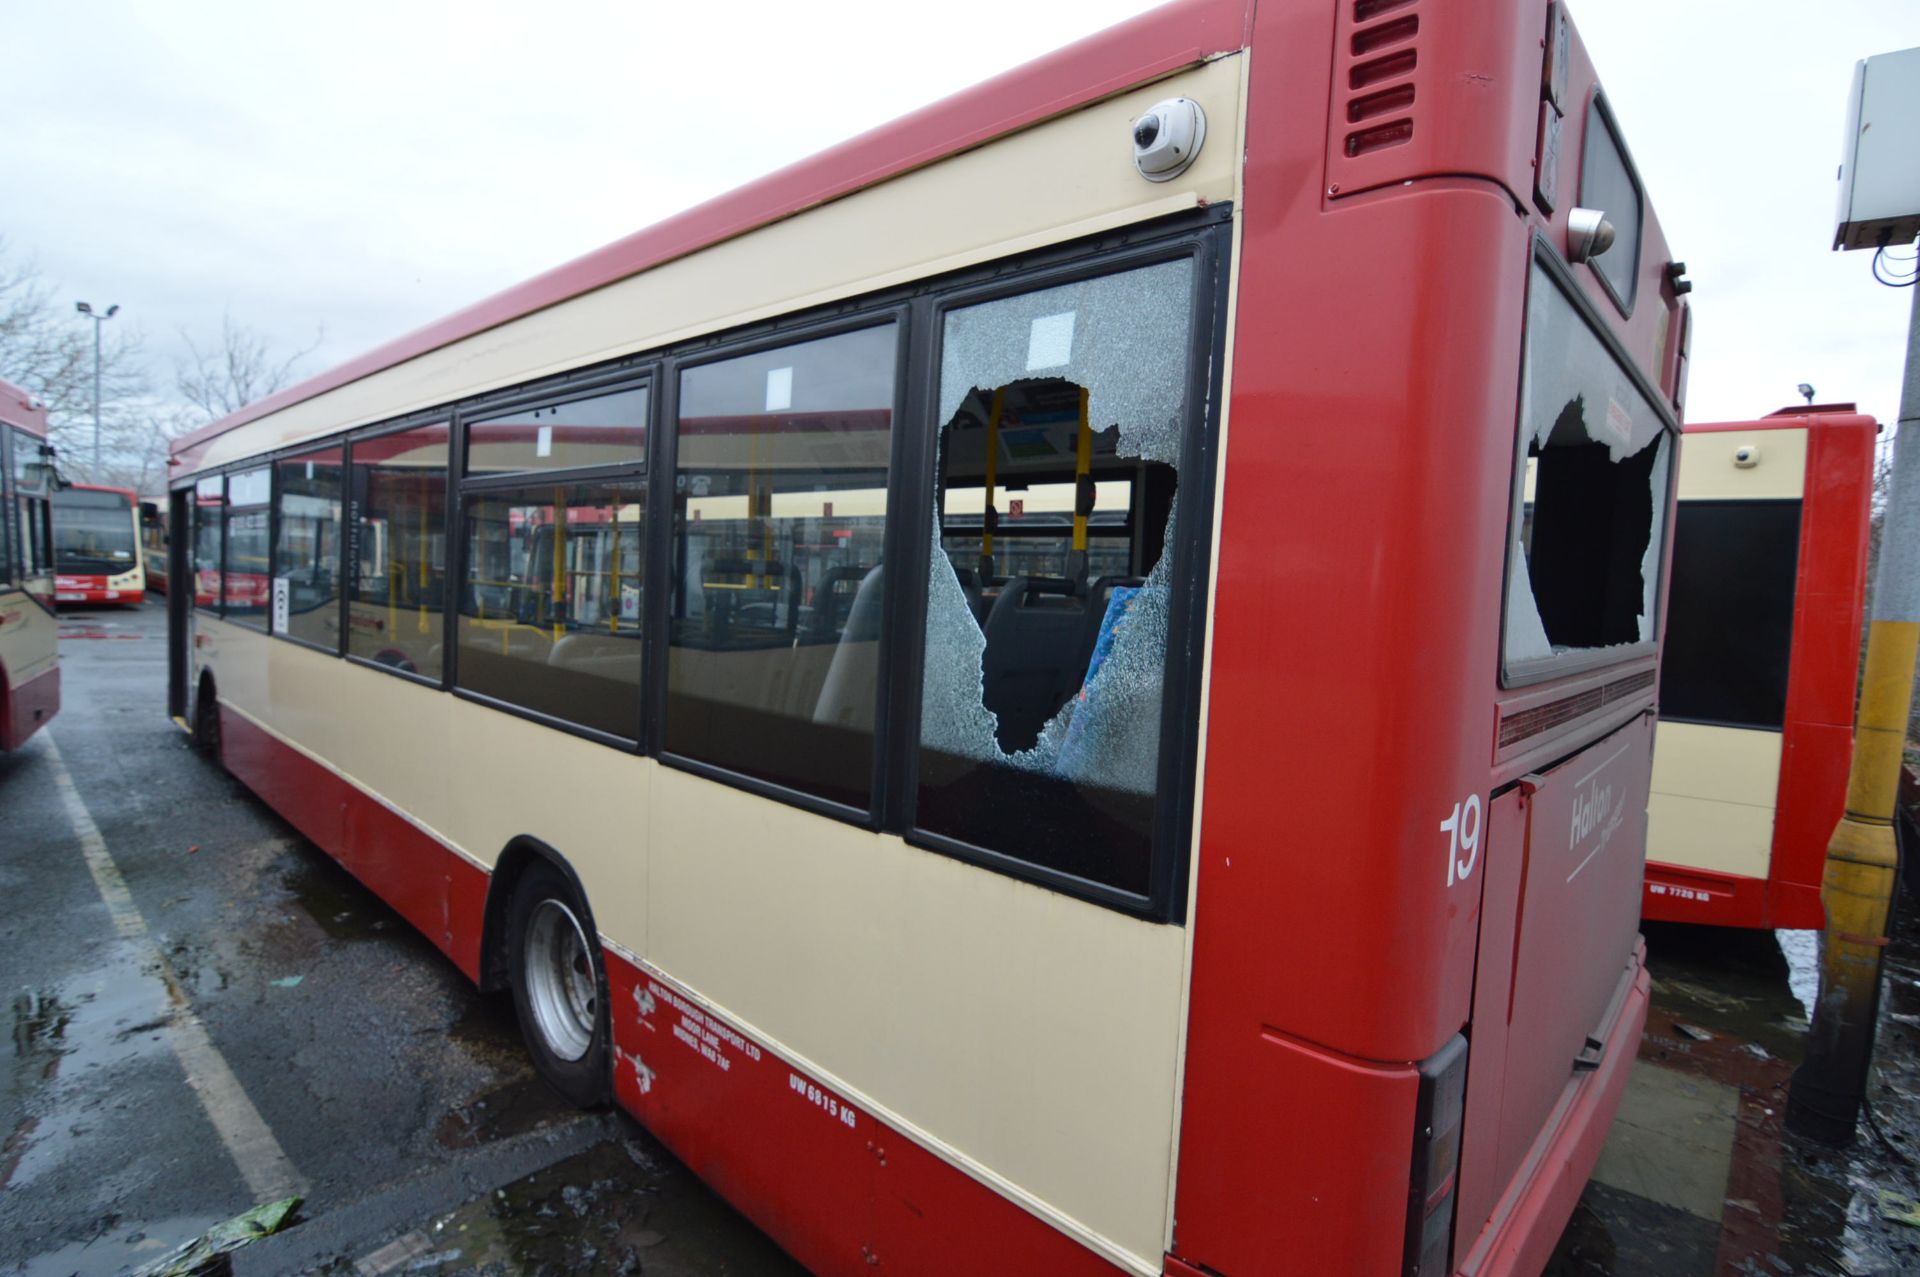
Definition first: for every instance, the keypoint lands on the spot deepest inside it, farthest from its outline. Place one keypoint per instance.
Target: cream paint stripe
(1183, 1020)
(248, 1139)
(1108, 1249)
(363, 790)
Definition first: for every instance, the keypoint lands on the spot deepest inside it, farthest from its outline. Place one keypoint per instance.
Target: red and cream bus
(29, 631)
(997, 687)
(1761, 659)
(97, 543)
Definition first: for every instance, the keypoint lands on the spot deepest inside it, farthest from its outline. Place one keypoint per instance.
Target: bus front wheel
(559, 986)
(206, 721)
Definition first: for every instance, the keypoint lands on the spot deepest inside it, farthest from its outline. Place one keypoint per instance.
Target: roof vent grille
(1382, 54)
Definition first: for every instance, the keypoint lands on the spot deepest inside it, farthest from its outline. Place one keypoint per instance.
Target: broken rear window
(1583, 570)
(1064, 412)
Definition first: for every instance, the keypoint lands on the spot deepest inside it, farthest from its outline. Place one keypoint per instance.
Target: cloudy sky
(362, 169)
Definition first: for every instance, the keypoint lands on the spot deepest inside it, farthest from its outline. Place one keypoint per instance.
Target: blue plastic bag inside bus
(1074, 750)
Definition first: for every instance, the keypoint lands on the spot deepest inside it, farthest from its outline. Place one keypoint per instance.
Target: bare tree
(48, 351)
(240, 369)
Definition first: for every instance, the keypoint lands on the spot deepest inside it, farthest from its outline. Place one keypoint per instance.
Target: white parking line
(249, 1140)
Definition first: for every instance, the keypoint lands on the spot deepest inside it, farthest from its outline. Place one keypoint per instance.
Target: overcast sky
(366, 168)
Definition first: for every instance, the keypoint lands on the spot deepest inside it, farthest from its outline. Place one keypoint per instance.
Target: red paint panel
(841, 1191)
(1151, 45)
(1324, 1164)
(1364, 523)
(1529, 1221)
(1679, 893)
(1579, 908)
(437, 890)
(1482, 1178)
(27, 708)
(18, 409)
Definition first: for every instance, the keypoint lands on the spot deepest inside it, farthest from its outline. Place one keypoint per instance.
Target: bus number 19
(1463, 830)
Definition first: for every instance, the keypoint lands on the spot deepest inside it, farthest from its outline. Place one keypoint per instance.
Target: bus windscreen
(93, 533)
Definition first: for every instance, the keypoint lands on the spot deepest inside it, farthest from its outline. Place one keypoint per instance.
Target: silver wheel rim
(561, 989)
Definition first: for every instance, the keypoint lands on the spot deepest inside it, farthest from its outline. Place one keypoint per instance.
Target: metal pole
(1829, 1087)
(96, 397)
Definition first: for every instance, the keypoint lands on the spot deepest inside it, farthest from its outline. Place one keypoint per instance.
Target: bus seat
(1031, 665)
(1094, 619)
(848, 692)
(827, 618)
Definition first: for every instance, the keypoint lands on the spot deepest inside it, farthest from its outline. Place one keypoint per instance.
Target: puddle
(118, 1247)
(338, 904)
(622, 1207)
(526, 1105)
(64, 1035)
(1729, 1015)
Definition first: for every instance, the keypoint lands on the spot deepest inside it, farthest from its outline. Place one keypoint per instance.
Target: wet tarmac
(422, 1142)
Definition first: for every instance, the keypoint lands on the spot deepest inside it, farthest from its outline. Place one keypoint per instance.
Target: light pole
(98, 319)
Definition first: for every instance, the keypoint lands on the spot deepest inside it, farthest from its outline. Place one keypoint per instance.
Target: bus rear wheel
(559, 986)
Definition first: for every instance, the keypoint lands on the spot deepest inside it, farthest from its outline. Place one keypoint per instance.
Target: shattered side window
(1063, 413)
(1584, 568)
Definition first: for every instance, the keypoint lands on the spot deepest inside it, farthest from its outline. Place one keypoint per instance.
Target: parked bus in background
(1761, 661)
(1011, 712)
(29, 631)
(153, 542)
(96, 545)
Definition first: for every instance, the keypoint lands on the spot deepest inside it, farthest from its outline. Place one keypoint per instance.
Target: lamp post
(98, 318)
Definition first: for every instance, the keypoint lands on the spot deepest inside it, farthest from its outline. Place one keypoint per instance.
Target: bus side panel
(1326, 1179)
(427, 883)
(841, 1191)
(1828, 616)
(1579, 898)
(24, 710)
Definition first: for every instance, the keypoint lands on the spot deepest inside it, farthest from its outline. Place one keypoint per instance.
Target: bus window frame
(1799, 505)
(917, 308)
(628, 374)
(442, 414)
(218, 608)
(1209, 250)
(1515, 675)
(303, 452)
(856, 315)
(1598, 106)
(9, 522)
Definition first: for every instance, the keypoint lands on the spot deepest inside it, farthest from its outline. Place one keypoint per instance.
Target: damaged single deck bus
(999, 688)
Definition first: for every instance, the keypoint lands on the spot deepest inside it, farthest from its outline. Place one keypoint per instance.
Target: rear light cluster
(1436, 1161)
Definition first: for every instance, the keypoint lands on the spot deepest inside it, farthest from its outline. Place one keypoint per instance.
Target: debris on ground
(1899, 1208)
(199, 1255)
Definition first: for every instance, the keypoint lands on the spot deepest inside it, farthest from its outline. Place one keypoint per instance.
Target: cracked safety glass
(1063, 413)
(1583, 572)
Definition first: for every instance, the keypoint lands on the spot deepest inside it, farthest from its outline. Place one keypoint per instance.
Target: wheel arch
(520, 854)
(206, 700)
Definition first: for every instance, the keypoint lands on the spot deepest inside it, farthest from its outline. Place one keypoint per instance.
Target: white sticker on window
(1050, 341)
(281, 591)
(779, 389)
(543, 441)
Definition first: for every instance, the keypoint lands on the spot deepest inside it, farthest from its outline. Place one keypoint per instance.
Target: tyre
(206, 721)
(559, 986)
